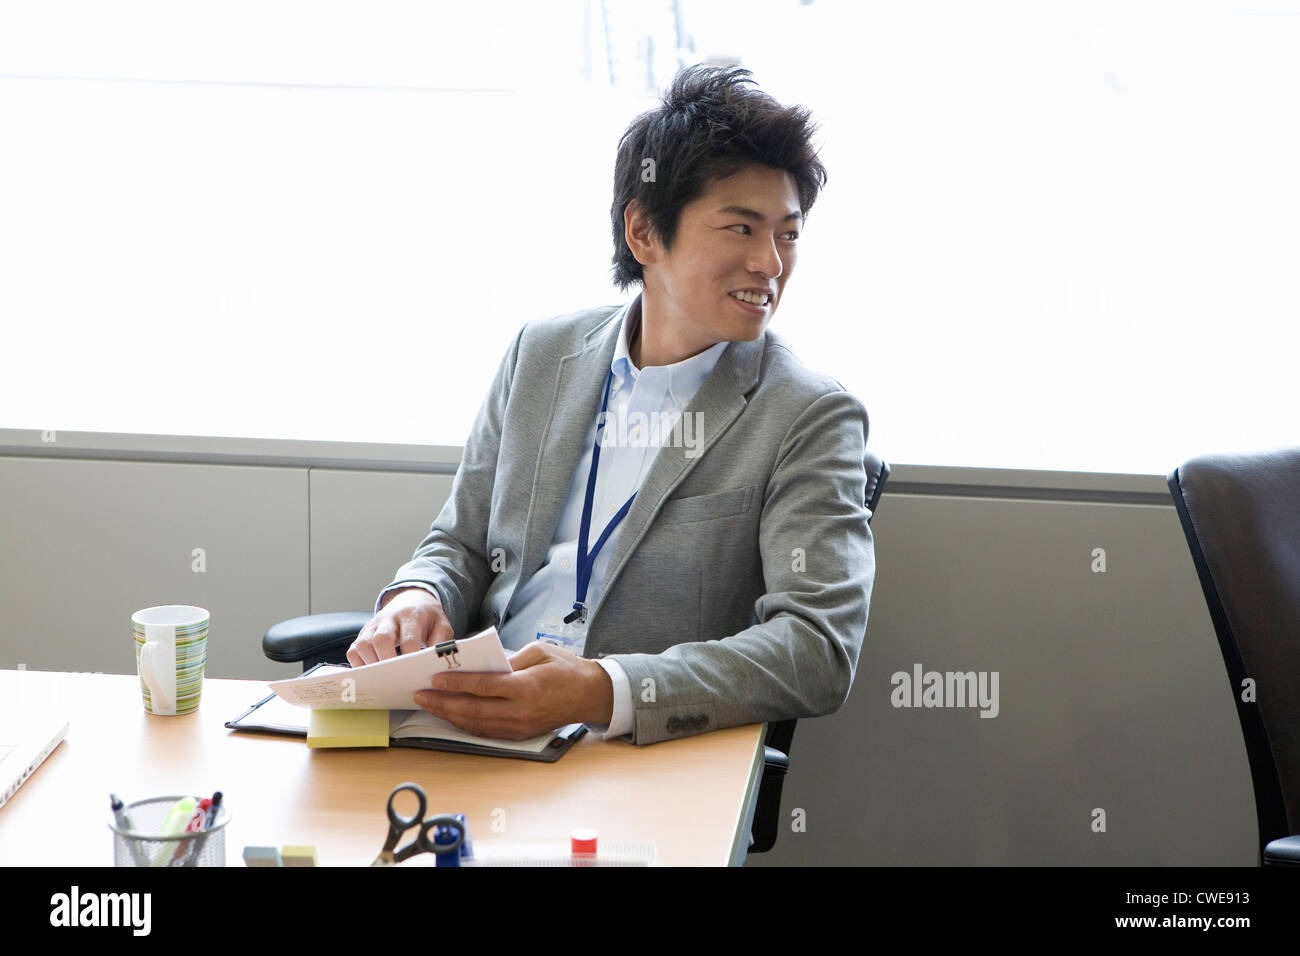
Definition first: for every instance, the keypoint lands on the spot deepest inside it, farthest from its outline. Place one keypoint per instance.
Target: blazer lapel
(578, 388)
(719, 401)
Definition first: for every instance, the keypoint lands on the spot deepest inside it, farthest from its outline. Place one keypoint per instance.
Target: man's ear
(639, 234)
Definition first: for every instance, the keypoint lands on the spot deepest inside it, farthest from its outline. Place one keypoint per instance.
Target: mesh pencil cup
(142, 843)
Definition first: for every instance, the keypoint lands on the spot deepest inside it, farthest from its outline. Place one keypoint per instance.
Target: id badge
(572, 637)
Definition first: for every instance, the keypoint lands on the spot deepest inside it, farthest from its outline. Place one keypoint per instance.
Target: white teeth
(751, 298)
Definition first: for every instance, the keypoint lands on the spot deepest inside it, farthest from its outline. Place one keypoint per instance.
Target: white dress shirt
(643, 406)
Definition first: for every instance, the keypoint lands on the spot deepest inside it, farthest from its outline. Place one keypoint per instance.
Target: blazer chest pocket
(720, 504)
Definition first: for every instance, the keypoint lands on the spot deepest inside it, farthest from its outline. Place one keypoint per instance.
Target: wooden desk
(689, 797)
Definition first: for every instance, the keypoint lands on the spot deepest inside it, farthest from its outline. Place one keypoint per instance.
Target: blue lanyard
(587, 561)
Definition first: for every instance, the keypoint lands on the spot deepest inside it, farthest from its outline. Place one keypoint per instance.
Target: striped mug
(171, 647)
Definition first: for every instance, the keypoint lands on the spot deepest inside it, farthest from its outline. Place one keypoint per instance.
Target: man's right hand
(408, 620)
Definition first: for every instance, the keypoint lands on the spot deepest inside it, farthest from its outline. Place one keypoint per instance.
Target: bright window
(1054, 236)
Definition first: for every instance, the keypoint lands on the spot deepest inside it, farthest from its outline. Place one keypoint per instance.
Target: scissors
(426, 839)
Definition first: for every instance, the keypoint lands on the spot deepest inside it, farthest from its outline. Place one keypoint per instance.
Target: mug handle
(158, 666)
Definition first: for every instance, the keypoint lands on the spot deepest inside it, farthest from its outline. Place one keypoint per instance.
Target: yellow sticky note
(347, 728)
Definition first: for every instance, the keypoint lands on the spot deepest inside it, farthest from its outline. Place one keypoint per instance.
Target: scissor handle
(401, 823)
(426, 840)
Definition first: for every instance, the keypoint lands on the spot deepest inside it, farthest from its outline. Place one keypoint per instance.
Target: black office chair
(1241, 515)
(325, 638)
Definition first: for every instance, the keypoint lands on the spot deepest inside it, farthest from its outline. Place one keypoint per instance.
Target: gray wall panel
(364, 526)
(1112, 694)
(83, 544)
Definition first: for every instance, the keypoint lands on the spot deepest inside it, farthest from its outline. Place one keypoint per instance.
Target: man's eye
(789, 236)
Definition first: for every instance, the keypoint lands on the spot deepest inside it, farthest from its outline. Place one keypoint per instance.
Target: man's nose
(766, 259)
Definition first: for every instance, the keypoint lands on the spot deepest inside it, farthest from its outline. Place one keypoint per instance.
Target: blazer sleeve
(818, 562)
(452, 559)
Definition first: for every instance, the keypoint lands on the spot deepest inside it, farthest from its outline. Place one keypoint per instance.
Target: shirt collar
(684, 378)
(621, 364)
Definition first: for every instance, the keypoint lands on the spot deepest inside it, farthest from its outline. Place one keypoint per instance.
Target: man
(659, 507)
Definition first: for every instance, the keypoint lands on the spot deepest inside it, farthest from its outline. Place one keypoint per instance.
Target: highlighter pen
(174, 826)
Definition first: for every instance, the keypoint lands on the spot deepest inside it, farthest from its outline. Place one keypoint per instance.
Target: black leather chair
(1241, 515)
(326, 638)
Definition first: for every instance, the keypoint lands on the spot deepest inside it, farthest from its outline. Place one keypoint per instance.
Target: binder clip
(447, 650)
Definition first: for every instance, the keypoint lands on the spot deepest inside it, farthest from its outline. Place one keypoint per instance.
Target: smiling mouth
(751, 298)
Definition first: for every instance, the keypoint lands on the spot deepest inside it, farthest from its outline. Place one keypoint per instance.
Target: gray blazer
(738, 585)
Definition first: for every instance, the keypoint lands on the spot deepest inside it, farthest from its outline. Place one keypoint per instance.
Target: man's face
(741, 234)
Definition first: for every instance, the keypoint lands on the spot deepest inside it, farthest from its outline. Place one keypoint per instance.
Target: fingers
(408, 623)
(377, 641)
(481, 716)
(413, 629)
(529, 701)
(464, 710)
(480, 685)
(532, 654)
(441, 630)
(362, 651)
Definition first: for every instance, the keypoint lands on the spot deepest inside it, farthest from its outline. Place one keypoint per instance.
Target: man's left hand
(548, 688)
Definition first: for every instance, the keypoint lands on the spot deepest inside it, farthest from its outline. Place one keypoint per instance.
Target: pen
(119, 813)
(214, 808)
(124, 825)
(198, 818)
(198, 821)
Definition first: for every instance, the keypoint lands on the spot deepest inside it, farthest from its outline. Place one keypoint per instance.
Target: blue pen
(119, 812)
(124, 825)
(213, 810)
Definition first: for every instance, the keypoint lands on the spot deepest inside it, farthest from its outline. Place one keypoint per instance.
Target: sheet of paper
(391, 684)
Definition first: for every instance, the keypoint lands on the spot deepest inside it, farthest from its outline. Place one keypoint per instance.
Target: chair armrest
(315, 637)
(1283, 852)
(775, 762)
(767, 814)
